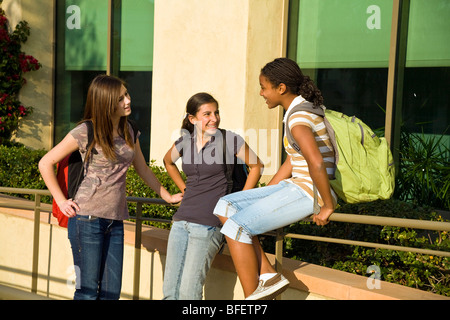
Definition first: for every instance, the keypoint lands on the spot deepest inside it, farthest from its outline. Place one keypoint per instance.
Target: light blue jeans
(190, 252)
(256, 211)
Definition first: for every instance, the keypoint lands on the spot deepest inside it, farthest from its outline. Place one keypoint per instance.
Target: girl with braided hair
(289, 196)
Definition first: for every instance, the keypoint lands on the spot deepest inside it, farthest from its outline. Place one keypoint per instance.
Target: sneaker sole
(271, 293)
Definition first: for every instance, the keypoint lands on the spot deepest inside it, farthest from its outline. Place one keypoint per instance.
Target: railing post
(279, 253)
(279, 250)
(137, 251)
(37, 221)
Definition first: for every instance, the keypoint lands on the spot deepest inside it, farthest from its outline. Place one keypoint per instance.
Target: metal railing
(278, 234)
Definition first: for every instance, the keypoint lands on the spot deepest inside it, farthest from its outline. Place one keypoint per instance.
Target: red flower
(3, 98)
(22, 111)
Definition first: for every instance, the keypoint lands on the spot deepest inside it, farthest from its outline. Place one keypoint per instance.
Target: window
(344, 46)
(426, 95)
(82, 47)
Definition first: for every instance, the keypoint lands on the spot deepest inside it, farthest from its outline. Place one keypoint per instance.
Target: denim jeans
(256, 211)
(190, 252)
(97, 247)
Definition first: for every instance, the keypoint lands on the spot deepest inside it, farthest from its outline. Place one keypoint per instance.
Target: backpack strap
(135, 128)
(227, 167)
(320, 111)
(76, 157)
(303, 106)
(90, 127)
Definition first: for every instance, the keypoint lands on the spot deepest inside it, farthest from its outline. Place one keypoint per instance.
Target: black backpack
(236, 172)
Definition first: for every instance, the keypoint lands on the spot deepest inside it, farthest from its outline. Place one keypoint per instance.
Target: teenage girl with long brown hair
(97, 211)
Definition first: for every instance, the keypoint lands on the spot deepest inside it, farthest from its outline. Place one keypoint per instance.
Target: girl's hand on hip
(69, 208)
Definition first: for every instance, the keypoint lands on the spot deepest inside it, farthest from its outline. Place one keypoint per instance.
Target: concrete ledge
(336, 284)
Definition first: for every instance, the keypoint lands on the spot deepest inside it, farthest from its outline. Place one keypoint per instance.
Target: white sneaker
(269, 289)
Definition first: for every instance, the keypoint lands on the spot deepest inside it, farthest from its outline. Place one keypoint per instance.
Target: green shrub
(137, 188)
(19, 168)
(424, 170)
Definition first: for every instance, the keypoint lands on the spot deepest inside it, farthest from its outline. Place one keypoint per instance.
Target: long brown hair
(102, 101)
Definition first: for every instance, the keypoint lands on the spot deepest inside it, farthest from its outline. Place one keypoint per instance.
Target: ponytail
(186, 124)
(310, 92)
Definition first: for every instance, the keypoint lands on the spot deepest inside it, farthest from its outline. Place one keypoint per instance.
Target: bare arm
(284, 172)
(149, 177)
(169, 162)
(47, 169)
(305, 139)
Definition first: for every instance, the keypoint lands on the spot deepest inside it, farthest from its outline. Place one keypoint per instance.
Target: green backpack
(365, 168)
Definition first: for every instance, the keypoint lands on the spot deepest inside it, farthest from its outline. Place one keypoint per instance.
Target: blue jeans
(256, 211)
(190, 252)
(97, 247)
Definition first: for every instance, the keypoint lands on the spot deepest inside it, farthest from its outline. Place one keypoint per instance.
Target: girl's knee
(236, 232)
(224, 209)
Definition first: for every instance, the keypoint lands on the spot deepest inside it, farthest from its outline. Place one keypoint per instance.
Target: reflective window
(82, 33)
(343, 45)
(426, 95)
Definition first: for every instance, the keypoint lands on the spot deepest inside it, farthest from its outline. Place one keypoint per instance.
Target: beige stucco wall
(218, 48)
(36, 129)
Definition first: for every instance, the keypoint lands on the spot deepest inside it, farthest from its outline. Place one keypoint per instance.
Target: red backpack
(69, 173)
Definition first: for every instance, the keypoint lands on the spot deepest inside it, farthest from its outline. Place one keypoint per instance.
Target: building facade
(385, 61)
